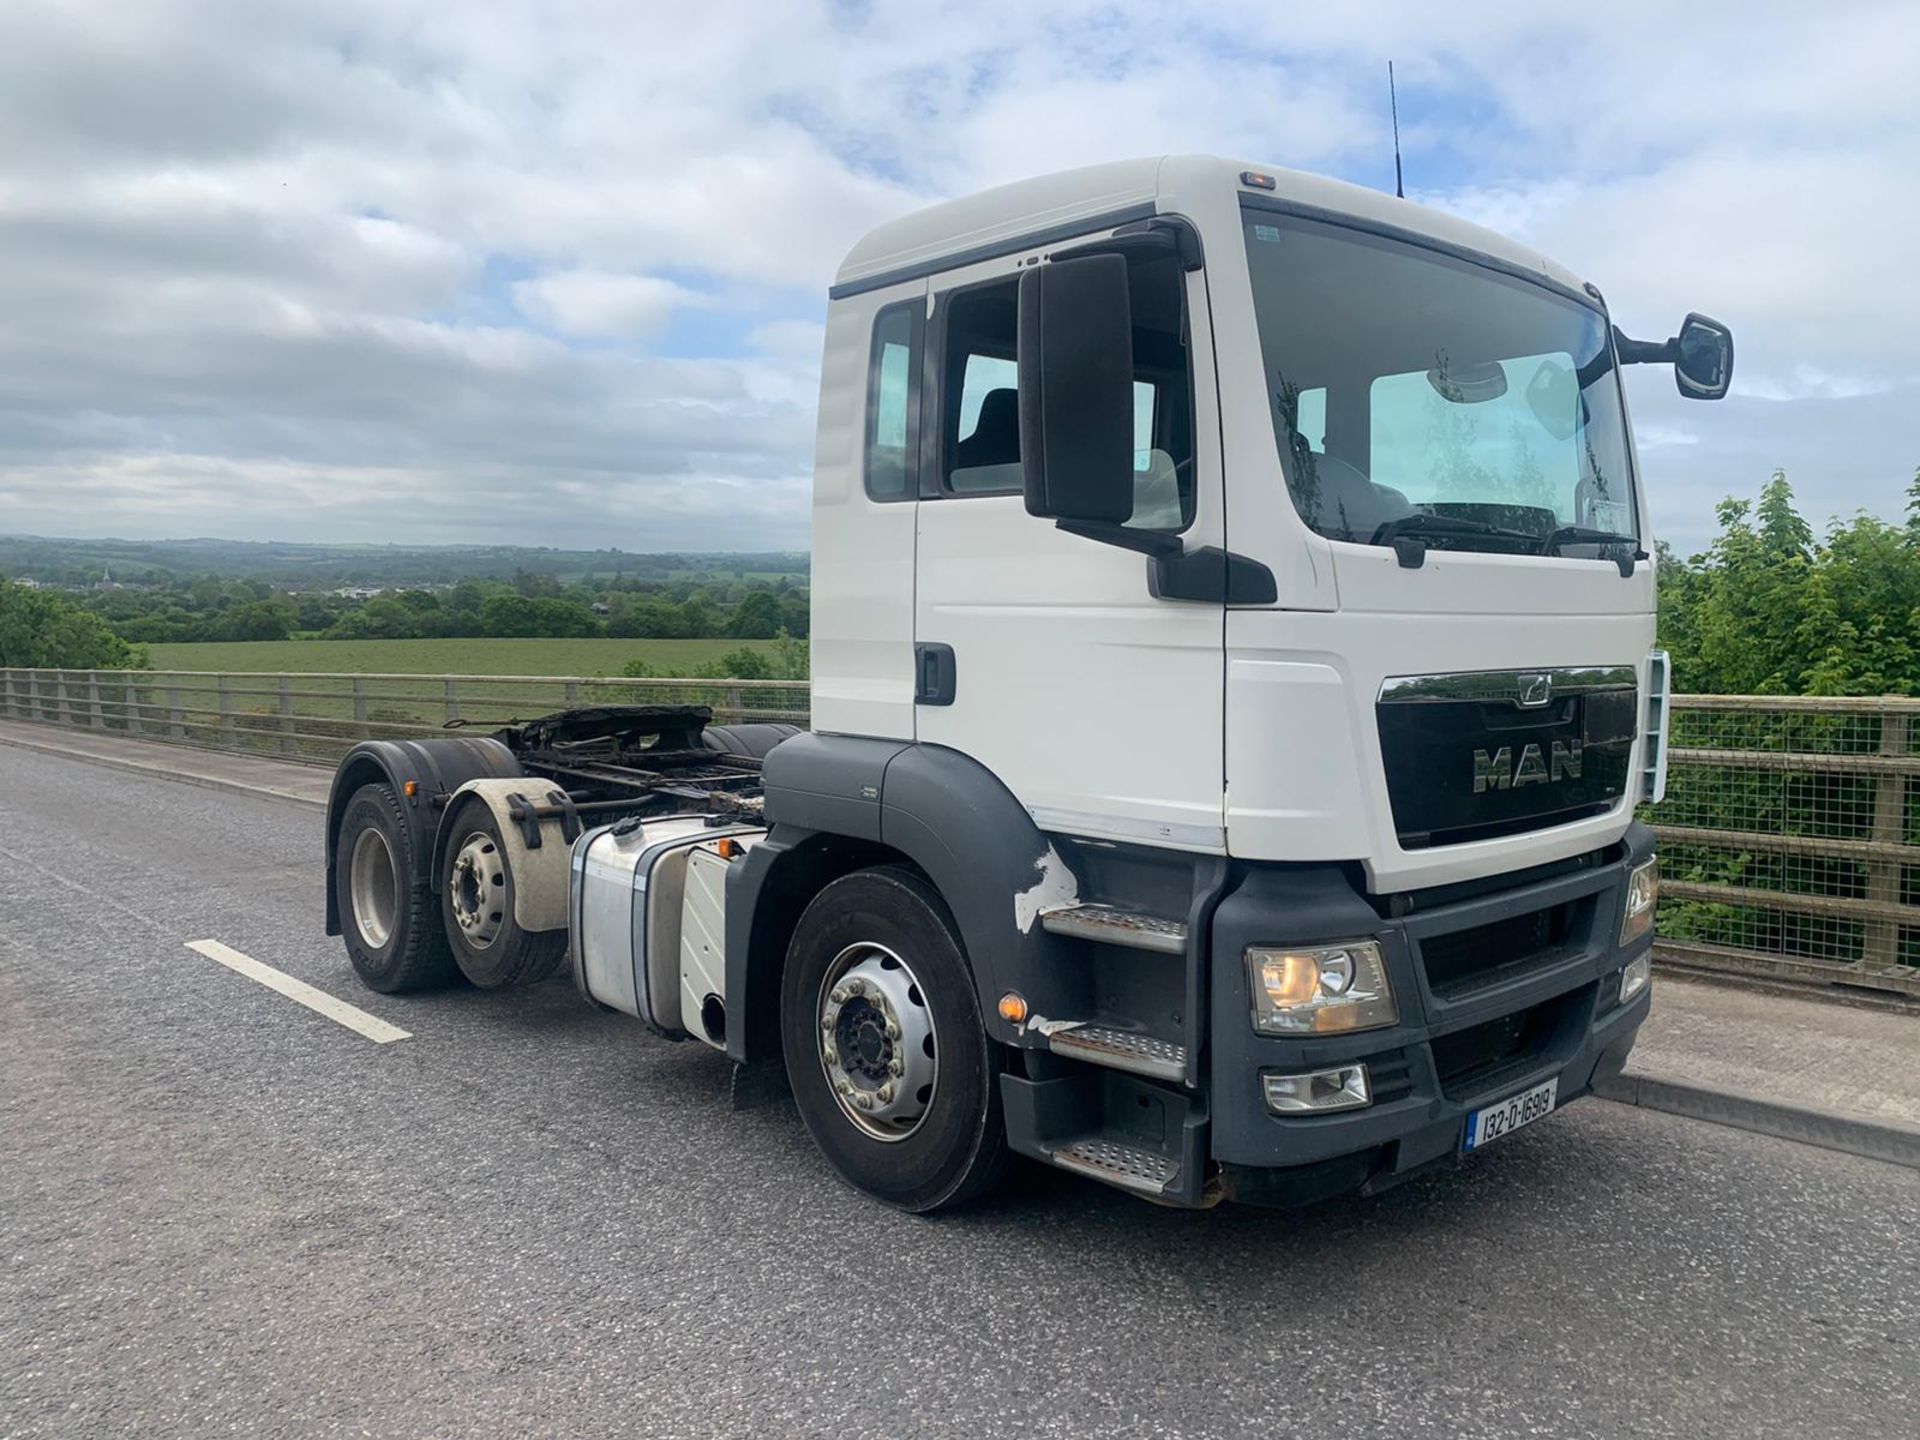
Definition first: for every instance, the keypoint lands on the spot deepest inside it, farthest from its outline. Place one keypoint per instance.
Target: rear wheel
(476, 901)
(392, 934)
(890, 1065)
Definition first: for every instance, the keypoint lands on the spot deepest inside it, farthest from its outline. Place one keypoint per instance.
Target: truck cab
(1233, 684)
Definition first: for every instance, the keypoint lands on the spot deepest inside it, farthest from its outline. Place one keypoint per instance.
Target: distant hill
(290, 566)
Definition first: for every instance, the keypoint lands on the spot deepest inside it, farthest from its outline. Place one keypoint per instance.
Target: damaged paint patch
(1056, 887)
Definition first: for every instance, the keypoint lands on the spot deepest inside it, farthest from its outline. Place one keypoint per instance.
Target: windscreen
(1418, 393)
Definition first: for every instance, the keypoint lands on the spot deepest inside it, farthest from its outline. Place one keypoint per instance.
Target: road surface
(222, 1212)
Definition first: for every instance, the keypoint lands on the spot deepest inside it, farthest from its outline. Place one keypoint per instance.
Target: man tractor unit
(1233, 683)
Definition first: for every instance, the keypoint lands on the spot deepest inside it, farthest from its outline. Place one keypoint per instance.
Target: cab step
(1141, 1171)
(1111, 925)
(1120, 1050)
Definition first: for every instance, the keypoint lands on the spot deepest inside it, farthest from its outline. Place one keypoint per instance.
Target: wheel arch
(840, 804)
(436, 767)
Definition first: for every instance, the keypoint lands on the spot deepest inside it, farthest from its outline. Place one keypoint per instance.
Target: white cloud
(595, 303)
(268, 269)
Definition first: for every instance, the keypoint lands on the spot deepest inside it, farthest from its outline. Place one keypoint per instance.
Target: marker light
(1345, 1087)
(1257, 180)
(1635, 978)
(1013, 1007)
(1324, 990)
(1643, 894)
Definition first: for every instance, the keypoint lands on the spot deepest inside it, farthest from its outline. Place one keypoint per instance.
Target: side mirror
(1076, 389)
(1703, 358)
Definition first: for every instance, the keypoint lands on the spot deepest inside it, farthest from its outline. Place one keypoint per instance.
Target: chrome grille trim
(1509, 685)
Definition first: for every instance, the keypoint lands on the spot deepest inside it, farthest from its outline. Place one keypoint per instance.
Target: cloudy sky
(554, 273)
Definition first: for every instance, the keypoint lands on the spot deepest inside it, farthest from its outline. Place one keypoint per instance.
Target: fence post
(228, 735)
(288, 744)
(176, 719)
(134, 727)
(96, 717)
(573, 692)
(62, 706)
(13, 697)
(360, 709)
(1881, 950)
(733, 704)
(40, 710)
(453, 699)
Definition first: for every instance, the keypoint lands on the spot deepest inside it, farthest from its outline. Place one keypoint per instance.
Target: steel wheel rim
(477, 890)
(876, 1042)
(373, 887)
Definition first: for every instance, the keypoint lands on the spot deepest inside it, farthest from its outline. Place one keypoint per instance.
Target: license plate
(1497, 1121)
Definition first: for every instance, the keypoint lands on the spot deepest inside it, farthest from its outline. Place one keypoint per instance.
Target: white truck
(1233, 683)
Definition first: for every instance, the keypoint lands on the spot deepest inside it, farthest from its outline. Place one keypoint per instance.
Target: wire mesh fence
(1789, 837)
(318, 717)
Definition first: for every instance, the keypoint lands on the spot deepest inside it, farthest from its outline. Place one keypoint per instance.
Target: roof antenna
(1399, 187)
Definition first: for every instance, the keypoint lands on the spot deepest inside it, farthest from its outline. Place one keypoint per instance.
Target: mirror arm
(1645, 352)
(1153, 543)
(1210, 575)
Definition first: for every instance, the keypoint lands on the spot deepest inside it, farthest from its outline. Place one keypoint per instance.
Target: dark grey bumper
(1464, 1040)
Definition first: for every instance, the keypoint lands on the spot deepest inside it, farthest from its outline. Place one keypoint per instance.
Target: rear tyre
(476, 905)
(890, 1065)
(390, 924)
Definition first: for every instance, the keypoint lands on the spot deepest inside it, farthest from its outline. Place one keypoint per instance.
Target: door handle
(933, 677)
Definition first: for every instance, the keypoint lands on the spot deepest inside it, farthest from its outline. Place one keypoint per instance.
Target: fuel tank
(627, 902)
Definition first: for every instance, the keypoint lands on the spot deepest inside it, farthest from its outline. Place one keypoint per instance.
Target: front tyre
(389, 922)
(476, 901)
(889, 1062)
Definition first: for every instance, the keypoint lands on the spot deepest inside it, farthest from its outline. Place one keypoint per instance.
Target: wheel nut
(886, 1093)
(830, 1055)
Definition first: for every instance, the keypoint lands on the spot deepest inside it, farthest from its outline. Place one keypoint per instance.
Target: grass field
(447, 657)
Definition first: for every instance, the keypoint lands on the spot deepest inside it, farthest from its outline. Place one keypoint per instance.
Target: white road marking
(354, 1018)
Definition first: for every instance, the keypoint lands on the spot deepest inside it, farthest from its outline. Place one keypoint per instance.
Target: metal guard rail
(1790, 835)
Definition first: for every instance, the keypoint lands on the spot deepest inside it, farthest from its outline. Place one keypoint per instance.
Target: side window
(980, 393)
(981, 447)
(893, 403)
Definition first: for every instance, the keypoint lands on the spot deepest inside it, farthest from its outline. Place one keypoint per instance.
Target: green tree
(757, 617)
(40, 629)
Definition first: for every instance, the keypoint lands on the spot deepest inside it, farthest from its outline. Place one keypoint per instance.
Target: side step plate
(1113, 926)
(1140, 1171)
(1121, 1050)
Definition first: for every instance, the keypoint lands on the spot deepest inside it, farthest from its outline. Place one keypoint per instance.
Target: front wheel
(889, 1062)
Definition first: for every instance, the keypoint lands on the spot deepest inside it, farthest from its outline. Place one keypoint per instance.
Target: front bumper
(1477, 1023)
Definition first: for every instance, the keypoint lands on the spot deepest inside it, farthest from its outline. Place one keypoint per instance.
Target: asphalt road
(222, 1213)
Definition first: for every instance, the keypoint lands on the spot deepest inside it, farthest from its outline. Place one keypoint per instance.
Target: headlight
(1321, 991)
(1643, 893)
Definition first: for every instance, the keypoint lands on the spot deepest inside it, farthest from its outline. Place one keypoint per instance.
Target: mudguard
(436, 767)
(540, 873)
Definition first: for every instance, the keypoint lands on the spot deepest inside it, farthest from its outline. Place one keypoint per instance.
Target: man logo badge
(1499, 771)
(1535, 690)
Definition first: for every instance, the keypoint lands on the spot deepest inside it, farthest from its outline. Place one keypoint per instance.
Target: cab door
(1041, 653)
(865, 489)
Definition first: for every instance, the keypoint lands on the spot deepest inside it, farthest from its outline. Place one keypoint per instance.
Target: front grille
(1464, 961)
(1471, 1060)
(1473, 757)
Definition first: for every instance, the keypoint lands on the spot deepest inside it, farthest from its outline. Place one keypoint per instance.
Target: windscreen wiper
(1626, 558)
(1412, 551)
